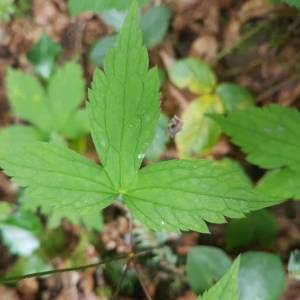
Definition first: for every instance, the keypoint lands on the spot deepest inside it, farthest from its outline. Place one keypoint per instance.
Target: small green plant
(200, 133)
(7, 9)
(271, 137)
(43, 56)
(53, 111)
(123, 112)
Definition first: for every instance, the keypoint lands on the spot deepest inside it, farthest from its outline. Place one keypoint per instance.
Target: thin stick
(126, 267)
(141, 281)
(38, 274)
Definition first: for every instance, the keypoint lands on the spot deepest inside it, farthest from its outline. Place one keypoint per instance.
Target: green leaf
(227, 287)
(230, 163)
(179, 194)
(44, 55)
(259, 226)
(93, 221)
(261, 276)
(79, 6)
(14, 135)
(124, 107)
(19, 233)
(100, 49)
(205, 266)
(27, 265)
(65, 93)
(77, 125)
(60, 177)
(158, 145)
(53, 110)
(294, 264)
(27, 98)
(283, 183)
(114, 18)
(199, 133)
(295, 3)
(234, 97)
(269, 135)
(6, 10)
(154, 25)
(193, 74)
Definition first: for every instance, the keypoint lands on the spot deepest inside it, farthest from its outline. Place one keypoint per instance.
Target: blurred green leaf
(27, 265)
(227, 287)
(79, 6)
(295, 3)
(93, 220)
(27, 98)
(158, 145)
(57, 139)
(294, 264)
(4, 209)
(199, 133)
(259, 226)
(65, 93)
(19, 232)
(234, 97)
(154, 25)
(54, 109)
(34, 265)
(100, 49)
(77, 125)
(6, 10)
(14, 135)
(44, 55)
(261, 276)
(205, 266)
(193, 74)
(114, 18)
(281, 182)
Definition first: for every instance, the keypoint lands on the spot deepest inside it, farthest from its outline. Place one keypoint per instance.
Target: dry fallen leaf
(204, 47)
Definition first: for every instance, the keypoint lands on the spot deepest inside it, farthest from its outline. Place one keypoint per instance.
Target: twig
(141, 281)
(245, 37)
(126, 267)
(278, 86)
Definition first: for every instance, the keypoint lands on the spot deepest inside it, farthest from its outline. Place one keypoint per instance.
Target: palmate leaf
(180, 194)
(59, 176)
(270, 135)
(227, 287)
(123, 113)
(124, 107)
(54, 109)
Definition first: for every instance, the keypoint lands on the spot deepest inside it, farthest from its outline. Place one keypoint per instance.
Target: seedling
(123, 112)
